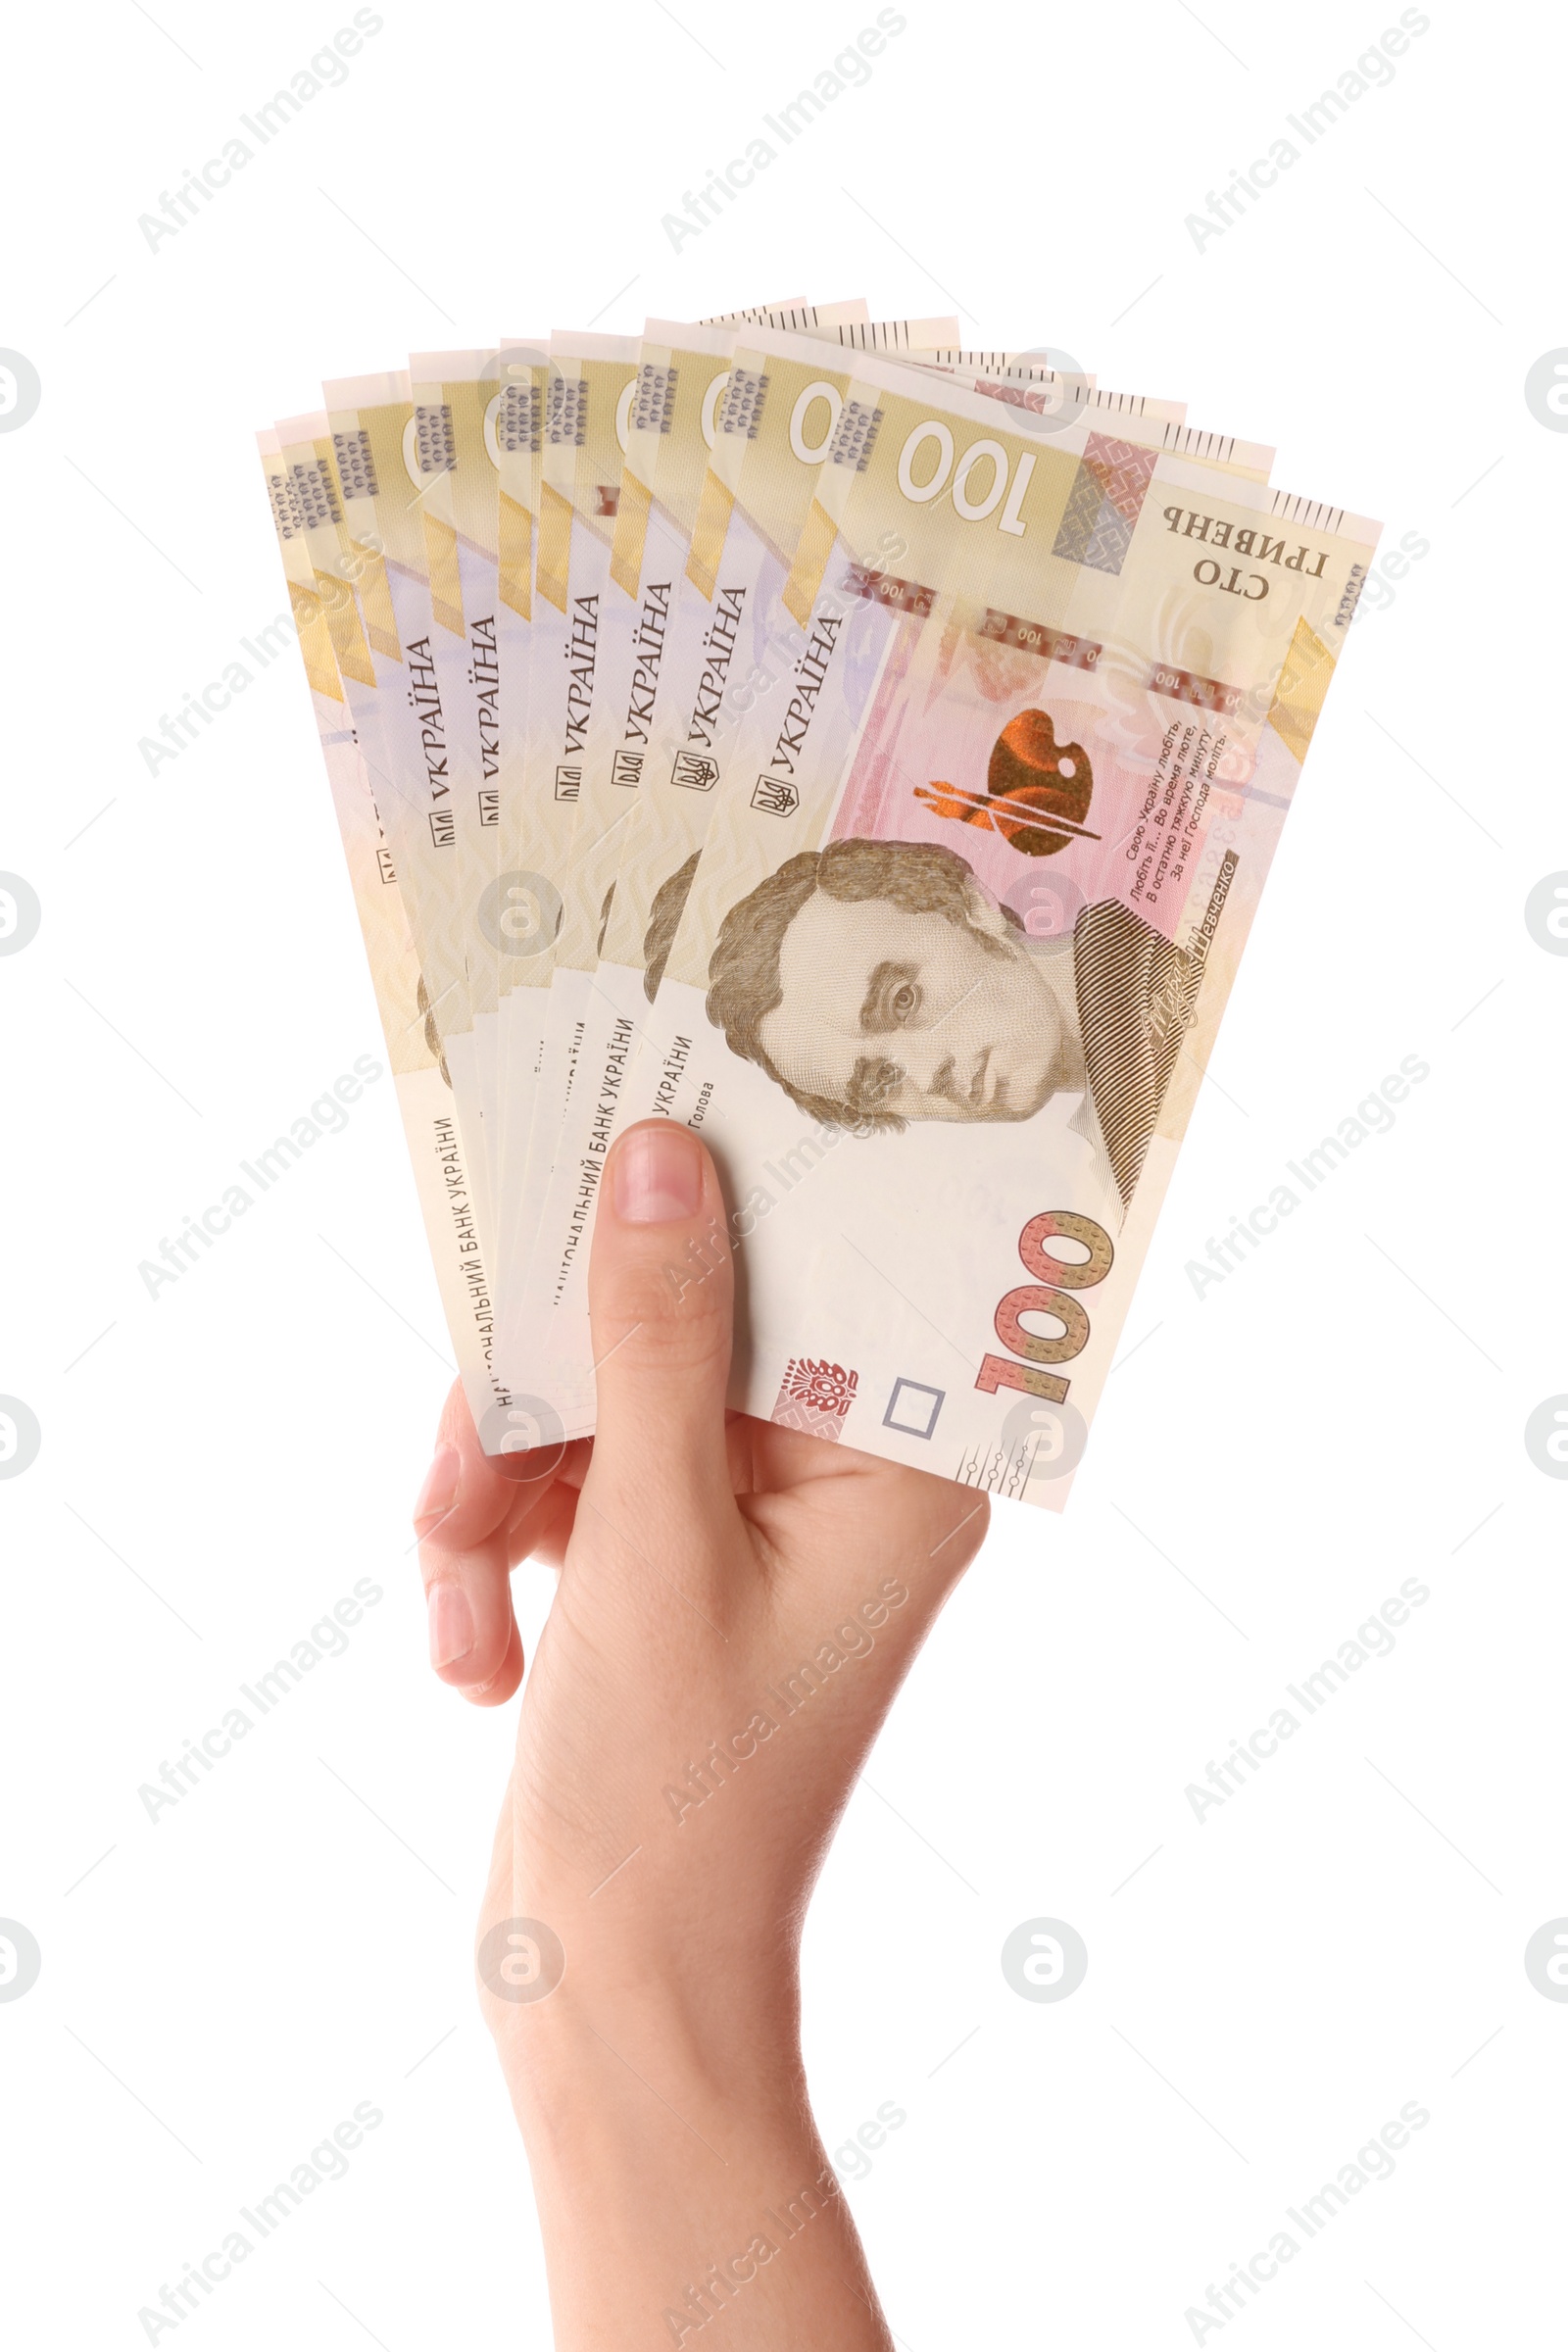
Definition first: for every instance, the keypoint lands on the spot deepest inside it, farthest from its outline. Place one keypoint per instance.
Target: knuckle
(652, 1334)
(670, 1311)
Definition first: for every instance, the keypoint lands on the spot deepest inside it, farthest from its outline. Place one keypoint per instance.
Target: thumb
(660, 1295)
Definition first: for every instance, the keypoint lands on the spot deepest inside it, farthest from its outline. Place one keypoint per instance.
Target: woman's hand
(738, 1604)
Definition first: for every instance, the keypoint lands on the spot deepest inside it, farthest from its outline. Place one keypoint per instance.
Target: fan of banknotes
(865, 750)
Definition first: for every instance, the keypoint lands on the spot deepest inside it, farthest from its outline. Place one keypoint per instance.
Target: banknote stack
(866, 751)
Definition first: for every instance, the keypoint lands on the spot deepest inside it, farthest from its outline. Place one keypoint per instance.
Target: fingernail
(658, 1175)
(451, 1624)
(440, 1488)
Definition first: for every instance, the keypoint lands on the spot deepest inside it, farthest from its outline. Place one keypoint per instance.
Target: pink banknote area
(814, 1395)
(1054, 800)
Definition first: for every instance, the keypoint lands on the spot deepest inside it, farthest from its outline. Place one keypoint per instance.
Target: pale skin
(683, 2191)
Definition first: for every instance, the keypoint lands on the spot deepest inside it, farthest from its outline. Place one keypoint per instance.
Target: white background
(1342, 1936)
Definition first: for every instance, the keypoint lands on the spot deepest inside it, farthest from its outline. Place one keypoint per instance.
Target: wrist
(697, 2163)
(583, 1983)
(590, 2057)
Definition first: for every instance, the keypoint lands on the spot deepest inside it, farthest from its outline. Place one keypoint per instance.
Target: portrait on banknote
(878, 983)
(933, 898)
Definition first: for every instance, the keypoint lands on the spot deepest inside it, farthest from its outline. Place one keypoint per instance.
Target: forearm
(737, 1607)
(684, 2188)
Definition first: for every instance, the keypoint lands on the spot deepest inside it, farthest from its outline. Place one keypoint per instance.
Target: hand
(737, 1606)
